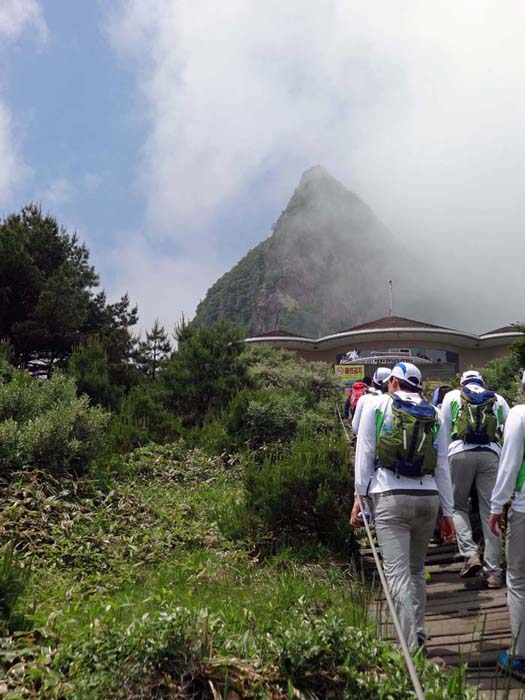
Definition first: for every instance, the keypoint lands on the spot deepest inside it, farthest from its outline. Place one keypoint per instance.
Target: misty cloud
(166, 287)
(415, 106)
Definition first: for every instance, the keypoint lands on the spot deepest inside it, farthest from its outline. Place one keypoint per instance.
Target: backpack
(409, 449)
(358, 389)
(473, 421)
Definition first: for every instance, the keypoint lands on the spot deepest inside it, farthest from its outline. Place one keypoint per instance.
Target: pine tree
(153, 351)
(206, 371)
(49, 301)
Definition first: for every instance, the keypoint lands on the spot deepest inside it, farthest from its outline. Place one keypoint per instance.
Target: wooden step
(467, 624)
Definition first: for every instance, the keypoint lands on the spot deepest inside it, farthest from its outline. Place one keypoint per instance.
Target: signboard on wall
(349, 373)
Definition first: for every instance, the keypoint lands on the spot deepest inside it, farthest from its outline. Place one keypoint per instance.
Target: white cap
(381, 374)
(471, 375)
(408, 373)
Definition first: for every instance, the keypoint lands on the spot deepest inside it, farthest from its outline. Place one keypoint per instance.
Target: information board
(350, 373)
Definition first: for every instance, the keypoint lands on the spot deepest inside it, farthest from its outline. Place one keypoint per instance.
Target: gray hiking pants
(516, 579)
(404, 525)
(479, 467)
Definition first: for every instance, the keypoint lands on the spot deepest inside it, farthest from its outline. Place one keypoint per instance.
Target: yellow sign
(350, 373)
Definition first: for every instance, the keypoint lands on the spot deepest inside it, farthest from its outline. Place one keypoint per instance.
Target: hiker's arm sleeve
(510, 462)
(346, 411)
(365, 450)
(447, 417)
(356, 420)
(442, 473)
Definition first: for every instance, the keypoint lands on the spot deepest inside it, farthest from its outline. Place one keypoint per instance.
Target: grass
(136, 592)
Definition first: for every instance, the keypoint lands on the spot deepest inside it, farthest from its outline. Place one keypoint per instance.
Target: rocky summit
(325, 267)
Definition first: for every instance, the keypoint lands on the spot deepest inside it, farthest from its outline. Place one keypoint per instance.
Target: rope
(395, 619)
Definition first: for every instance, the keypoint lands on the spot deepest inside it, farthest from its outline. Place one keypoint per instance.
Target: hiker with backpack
(474, 418)
(357, 390)
(401, 462)
(379, 386)
(510, 483)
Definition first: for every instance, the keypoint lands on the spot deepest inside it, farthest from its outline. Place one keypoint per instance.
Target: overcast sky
(171, 133)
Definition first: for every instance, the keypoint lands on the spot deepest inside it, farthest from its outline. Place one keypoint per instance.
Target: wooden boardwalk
(466, 624)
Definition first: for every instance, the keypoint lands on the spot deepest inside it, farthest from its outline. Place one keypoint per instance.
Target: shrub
(89, 367)
(503, 374)
(190, 653)
(45, 425)
(13, 582)
(304, 492)
(268, 368)
(143, 418)
(255, 418)
(267, 417)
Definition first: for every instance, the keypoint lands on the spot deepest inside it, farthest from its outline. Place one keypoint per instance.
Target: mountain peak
(316, 172)
(313, 274)
(317, 184)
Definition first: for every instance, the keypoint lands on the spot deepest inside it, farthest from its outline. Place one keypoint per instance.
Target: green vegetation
(48, 297)
(193, 575)
(504, 373)
(233, 296)
(45, 425)
(139, 593)
(303, 492)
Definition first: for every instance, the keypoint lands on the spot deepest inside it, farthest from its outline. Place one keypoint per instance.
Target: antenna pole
(390, 290)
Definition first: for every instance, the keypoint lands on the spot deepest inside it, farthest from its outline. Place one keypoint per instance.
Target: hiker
(510, 481)
(474, 418)
(357, 390)
(379, 386)
(401, 462)
(439, 395)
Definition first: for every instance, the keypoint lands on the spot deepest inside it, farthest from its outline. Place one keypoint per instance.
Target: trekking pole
(409, 661)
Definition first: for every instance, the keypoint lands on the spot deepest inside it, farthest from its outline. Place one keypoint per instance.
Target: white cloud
(15, 17)
(13, 170)
(165, 287)
(233, 89)
(58, 192)
(416, 105)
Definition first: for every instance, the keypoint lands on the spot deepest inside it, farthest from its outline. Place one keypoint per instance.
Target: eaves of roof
(447, 335)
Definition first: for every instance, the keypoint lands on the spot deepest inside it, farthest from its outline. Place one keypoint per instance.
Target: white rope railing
(393, 613)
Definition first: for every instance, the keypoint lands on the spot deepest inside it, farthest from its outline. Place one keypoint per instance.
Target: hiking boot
(494, 581)
(421, 646)
(512, 665)
(471, 567)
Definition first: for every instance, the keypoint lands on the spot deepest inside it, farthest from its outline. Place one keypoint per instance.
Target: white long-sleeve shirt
(363, 400)
(368, 479)
(512, 464)
(452, 402)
